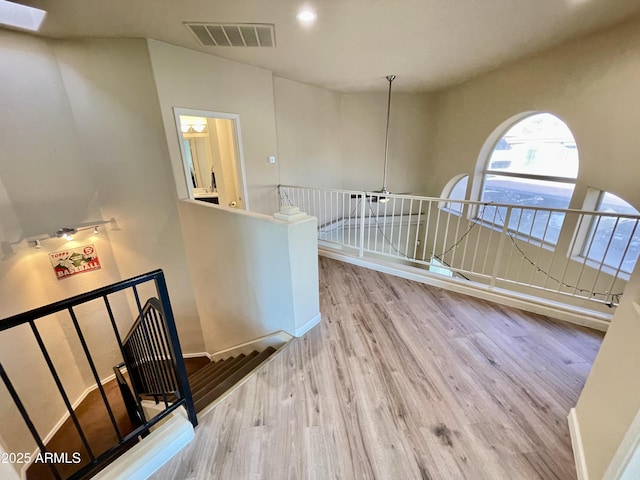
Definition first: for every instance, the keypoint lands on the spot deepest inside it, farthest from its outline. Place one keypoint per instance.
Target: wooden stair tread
(221, 371)
(205, 395)
(231, 365)
(212, 368)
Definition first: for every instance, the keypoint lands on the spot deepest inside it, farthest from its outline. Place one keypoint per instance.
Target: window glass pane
(458, 192)
(614, 241)
(539, 224)
(541, 144)
(525, 191)
(536, 224)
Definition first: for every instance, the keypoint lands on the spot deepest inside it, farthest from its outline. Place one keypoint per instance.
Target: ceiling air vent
(234, 34)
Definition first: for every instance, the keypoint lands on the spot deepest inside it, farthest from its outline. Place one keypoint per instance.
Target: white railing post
(363, 201)
(496, 263)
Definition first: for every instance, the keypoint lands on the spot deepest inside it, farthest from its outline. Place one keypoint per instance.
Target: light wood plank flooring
(401, 381)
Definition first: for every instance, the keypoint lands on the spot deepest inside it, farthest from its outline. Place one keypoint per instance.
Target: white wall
(112, 96)
(239, 262)
(332, 140)
(593, 86)
(611, 396)
(45, 185)
(189, 79)
(246, 273)
(590, 84)
(411, 137)
(308, 124)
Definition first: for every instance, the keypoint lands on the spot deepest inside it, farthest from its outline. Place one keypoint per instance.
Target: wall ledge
(145, 458)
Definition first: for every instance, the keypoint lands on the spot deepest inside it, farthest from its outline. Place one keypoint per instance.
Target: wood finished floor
(401, 381)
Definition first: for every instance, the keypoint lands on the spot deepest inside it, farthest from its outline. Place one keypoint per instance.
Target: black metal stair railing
(147, 354)
(151, 354)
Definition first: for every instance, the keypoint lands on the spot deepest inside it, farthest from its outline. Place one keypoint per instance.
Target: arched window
(613, 240)
(456, 189)
(533, 164)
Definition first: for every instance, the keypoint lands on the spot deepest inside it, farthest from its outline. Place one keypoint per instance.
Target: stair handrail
(161, 313)
(146, 352)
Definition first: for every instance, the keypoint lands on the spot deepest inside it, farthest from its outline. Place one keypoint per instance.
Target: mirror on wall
(212, 156)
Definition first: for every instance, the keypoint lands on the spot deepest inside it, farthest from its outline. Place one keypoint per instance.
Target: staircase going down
(208, 381)
(212, 380)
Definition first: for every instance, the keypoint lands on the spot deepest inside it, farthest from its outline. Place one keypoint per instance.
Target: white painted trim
(276, 340)
(196, 355)
(577, 446)
(549, 308)
(308, 325)
(624, 464)
(146, 457)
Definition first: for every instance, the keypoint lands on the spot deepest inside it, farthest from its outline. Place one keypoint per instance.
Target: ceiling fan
(381, 197)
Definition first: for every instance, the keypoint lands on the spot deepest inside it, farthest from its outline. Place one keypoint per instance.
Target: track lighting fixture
(68, 233)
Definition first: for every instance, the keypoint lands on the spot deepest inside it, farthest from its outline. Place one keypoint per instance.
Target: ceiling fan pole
(390, 78)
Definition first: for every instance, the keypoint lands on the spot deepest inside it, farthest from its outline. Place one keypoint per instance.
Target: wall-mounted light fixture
(193, 128)
(68, 233)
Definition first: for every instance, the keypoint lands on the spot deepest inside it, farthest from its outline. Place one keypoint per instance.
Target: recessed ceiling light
(306, 16)
(20, 16)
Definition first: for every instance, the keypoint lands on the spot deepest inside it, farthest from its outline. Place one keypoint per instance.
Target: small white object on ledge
(290, 214)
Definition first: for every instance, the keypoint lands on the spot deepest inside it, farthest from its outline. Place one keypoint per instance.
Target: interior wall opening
(212, 157)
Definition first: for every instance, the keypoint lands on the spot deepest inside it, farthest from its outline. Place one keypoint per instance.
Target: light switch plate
(272, 160)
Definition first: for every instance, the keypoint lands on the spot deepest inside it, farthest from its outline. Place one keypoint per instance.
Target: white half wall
(252, 275)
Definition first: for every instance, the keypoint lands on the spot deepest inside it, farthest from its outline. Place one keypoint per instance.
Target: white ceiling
(354, 44)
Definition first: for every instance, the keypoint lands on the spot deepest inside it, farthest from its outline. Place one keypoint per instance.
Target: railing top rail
(474, 202)
(337, 190)
(152, 303)
(56, 307)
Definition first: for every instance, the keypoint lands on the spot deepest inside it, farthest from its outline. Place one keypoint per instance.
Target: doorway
(212, 156)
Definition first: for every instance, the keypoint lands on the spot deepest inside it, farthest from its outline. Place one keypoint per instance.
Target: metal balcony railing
(581, 258)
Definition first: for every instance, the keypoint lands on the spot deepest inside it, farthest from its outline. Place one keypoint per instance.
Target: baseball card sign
(73, 261)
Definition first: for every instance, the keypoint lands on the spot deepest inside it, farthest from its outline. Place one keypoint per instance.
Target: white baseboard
(275, 340)
(524, 302)
(142, 460)
(308, 325)
(196, 355)
(577, 446)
